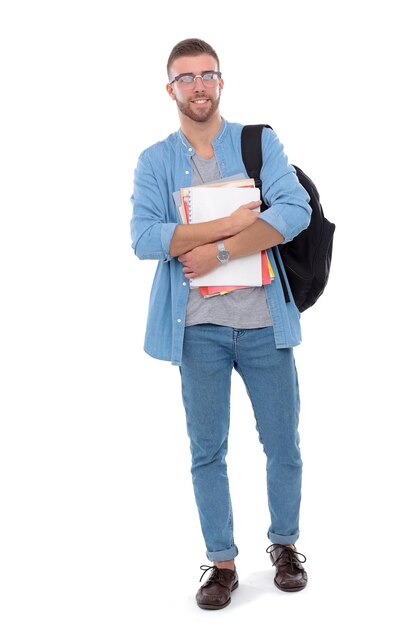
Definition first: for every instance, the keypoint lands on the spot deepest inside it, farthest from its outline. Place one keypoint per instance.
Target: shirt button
(187, 172)
(178, 320)
(184, 284)
(190, 149)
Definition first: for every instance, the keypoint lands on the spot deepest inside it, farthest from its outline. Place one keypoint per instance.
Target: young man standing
(252, 330)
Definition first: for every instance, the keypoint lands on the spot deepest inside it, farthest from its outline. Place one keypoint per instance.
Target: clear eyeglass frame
(186, 80)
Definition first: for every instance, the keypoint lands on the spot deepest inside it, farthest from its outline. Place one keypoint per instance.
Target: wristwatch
(222, 254)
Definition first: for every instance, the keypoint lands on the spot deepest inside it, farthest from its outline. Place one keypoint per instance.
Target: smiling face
(199, 103)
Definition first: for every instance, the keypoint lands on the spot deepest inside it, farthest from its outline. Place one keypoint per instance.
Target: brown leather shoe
(290, 574)
(215, 592)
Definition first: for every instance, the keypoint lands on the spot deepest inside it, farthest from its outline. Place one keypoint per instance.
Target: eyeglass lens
(210, 79)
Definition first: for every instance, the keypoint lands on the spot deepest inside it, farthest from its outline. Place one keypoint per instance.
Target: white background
(98, 522)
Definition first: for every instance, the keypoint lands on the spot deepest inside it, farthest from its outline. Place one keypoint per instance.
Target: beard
(199, 115)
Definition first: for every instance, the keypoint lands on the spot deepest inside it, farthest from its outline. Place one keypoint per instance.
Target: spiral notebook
(209, 203)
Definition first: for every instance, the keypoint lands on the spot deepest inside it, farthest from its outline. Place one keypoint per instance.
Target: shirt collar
(188, 148)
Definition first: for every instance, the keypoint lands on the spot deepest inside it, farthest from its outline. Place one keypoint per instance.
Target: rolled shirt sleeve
(151, 233)
(289, 211)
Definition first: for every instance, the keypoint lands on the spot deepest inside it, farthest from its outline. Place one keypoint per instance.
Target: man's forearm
(258, 236)
(188, 236)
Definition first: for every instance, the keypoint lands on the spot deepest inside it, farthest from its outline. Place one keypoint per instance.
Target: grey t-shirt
(243, 308)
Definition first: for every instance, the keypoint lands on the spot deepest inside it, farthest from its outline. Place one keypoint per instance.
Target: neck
(201, 134)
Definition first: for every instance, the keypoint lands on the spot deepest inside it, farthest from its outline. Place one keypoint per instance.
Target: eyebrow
(193, 74)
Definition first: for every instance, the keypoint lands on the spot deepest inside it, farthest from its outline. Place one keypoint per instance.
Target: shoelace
(216, 575)
(289, 554)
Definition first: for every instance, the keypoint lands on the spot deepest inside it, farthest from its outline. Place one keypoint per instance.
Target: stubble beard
(195, 114)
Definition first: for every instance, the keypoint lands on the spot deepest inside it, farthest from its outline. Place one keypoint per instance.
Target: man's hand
(243, 217)
(199, 261)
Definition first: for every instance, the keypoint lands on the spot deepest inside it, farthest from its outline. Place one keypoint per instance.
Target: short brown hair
(191, 48)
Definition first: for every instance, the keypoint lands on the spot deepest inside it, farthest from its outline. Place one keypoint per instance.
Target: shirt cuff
(167, 232)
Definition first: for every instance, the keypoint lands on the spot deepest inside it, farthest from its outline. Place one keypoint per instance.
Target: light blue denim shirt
(164, 168)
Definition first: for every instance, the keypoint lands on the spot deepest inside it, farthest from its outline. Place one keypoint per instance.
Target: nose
(196, 86)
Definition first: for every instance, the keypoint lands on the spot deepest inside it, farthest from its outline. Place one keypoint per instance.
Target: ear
(170, 91)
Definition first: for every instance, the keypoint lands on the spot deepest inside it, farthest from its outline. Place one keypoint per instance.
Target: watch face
(223, 256)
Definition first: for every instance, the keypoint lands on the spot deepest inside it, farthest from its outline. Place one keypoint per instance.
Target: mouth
(200, 101)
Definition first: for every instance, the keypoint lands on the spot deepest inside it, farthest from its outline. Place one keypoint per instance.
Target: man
(252, 330)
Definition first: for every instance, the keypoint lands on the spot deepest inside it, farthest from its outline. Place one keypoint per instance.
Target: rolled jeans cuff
(223, 555)
(283, 540)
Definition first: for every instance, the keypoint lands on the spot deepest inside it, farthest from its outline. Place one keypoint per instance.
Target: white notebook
(210, 203)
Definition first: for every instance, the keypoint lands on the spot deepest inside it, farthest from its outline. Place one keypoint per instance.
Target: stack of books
(202, 203)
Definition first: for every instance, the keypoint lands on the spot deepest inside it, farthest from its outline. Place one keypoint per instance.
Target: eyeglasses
(186, 80)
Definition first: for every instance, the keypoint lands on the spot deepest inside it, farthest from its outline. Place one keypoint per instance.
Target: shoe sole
(212, 607)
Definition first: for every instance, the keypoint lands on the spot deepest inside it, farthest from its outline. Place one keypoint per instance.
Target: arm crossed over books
(256, 237)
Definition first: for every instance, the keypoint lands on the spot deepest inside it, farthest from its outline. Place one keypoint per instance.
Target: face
(200, 102)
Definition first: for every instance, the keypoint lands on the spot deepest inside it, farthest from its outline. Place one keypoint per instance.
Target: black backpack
(308, 256)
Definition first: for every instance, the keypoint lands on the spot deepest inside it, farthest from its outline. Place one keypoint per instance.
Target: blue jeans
(270, 376)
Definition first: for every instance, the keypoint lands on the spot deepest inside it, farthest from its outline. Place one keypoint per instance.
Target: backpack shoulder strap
(251, 144)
